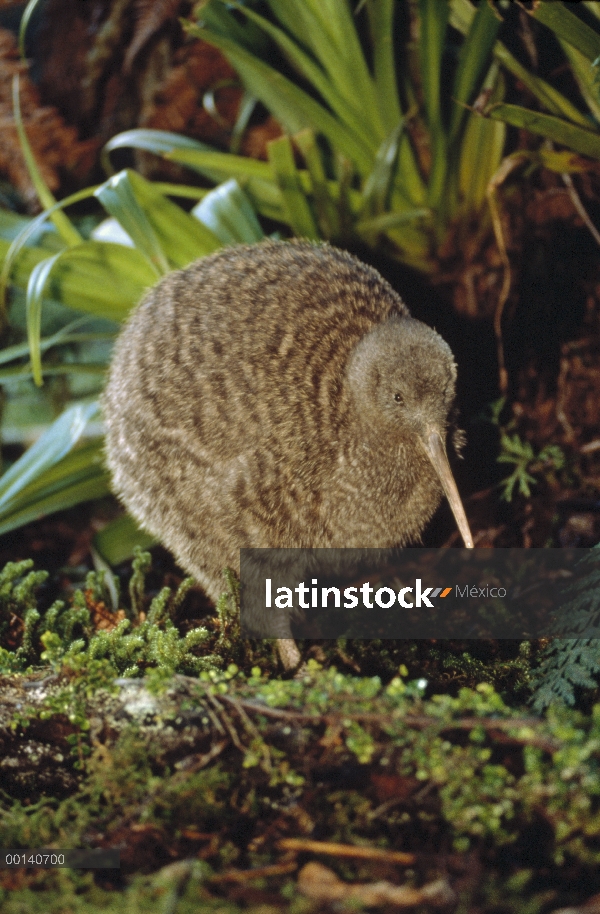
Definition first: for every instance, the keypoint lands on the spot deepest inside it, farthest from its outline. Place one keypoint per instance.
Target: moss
(131, 640)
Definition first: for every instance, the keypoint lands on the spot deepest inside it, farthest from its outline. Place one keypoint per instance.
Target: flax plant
(379, 147)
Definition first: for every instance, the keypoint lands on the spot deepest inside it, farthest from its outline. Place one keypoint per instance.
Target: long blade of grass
(325, 206)
(190, 152)
(246, 109)
(386, 221)
(78, 476)
(472, 58)
(553, 128)
(378, 184)
(24, 24)
(357, 80)
(258, 182)
(62, 337)
(228, 213)
(62, 223)
(293, 107)
(553, 100)
(568, 27)
(381, 24)
(156, 141)
(586, 76)
(35, 293)
(300, 217)
(482, 149)
(254, 177)
(218, 18)
(408, 180)
(29, 232)
(433, 22)
(55, 443)
(592, 6)
(216, 164)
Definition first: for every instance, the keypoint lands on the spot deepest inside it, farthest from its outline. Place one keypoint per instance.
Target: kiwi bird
(279, 395)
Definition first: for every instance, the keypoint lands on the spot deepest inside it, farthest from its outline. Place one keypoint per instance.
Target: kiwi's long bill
(434, 447)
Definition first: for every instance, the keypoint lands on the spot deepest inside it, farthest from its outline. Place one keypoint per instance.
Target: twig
(333, 849)
(194, 763)
(253, 731)
(224, 719)
(260, 872)
(506, 167)
(590, 447)
(581, 210)
(418, 722)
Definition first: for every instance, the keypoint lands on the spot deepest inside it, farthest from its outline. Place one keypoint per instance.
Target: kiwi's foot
(289, 654)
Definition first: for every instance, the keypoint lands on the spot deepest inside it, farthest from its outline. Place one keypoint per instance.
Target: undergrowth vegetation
(85, 629)
(220, 770)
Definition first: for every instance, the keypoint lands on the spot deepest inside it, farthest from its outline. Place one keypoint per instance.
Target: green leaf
(381, 224)
(180, 237)
(378, 184)
(100, 277)
(299, 214)
(24, 238)
(325, 205)
(381, 24)
(64, 336)
(433, 21)
(116, 542)
(55, 443)
(256, 178)
(346, 106)
(586, 76)
(462, 13)
(482, 147)
(568, 27)
(473, 57)
(23, 25)
(117, 197)
(62, 223)
(166, 235)
(35, 291)
(79, 476)
(228, 213)
(156, 141)
(553, 128)
(327, 28)
(293, 107)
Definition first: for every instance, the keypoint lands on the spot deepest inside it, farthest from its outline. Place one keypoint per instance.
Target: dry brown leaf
(55, 145)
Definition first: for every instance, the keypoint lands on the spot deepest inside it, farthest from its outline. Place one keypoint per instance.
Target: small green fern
(571, 663)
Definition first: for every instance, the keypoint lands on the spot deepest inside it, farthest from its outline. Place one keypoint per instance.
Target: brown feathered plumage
(276, 395)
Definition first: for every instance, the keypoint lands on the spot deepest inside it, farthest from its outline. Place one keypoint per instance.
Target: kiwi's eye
(398, 398)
